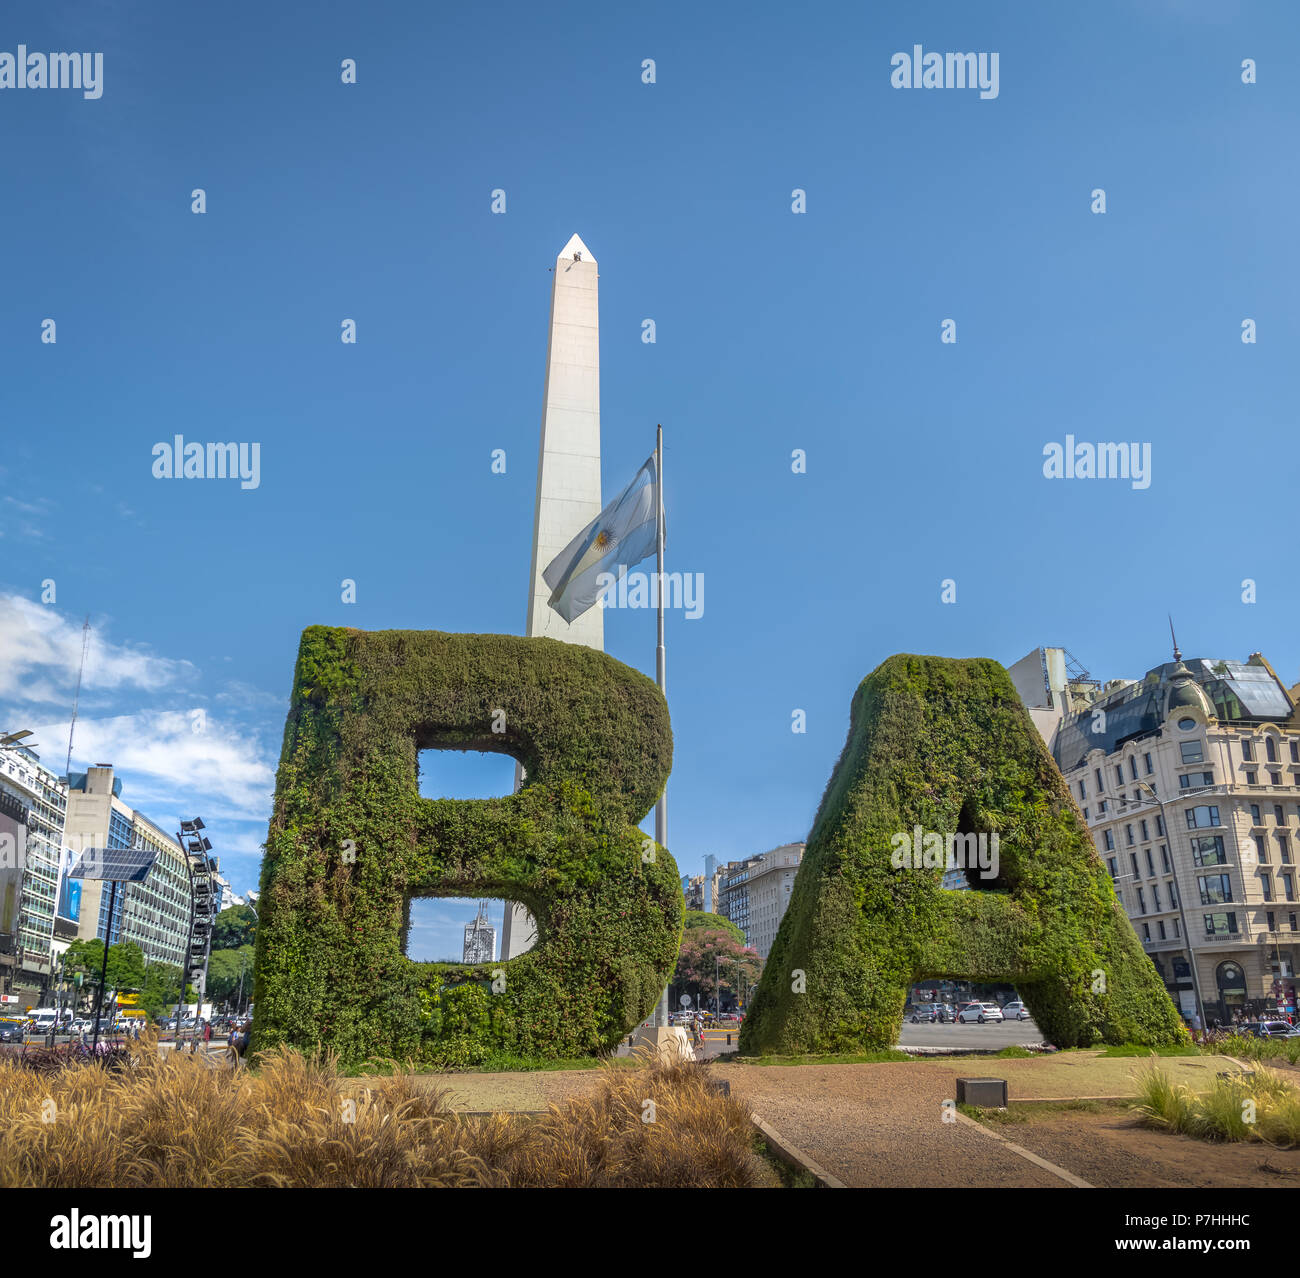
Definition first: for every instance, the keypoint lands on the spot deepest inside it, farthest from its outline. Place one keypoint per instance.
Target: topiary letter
(352, 842)
(946, 746)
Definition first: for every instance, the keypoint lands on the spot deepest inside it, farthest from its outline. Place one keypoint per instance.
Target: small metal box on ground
(984, 1093)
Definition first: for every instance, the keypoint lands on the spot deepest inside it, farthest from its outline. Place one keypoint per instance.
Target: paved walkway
(883, 1124)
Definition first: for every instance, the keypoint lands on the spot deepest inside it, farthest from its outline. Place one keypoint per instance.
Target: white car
(981, 1012)
(1016, 1011)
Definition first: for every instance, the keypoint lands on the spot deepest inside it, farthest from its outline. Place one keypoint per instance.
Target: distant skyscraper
(568, 475)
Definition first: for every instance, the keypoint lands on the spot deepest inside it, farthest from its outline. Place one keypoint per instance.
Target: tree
(224, 970)
(125, 963)
(162, 987)
(698, 918)
(234, 928)
(711, 958)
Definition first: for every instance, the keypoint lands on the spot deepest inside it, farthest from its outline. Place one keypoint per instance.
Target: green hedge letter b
(352, 842)
(943, 762)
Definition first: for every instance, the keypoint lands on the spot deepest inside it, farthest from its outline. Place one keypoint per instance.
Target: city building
(33, 802)
(1189, 780)
(769, 883)
(154, 914)
(702, 890)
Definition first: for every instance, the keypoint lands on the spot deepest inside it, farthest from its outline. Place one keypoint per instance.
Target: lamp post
(1182, 914)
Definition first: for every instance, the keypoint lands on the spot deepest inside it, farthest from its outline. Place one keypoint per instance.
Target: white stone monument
(568, 476)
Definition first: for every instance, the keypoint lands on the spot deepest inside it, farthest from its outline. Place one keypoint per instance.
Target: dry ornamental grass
(295, 1121)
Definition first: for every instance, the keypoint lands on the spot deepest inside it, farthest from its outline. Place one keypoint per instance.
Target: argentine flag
(623, 534)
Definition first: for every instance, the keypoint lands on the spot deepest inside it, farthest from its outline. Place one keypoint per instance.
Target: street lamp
(200, 867)
(1182, 914)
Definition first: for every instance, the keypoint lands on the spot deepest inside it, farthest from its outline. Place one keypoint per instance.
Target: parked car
(1271, 1029)
(945, 1012)
(12, 1030)
(924, 1014)
(981, 1012)
(1015, 1011)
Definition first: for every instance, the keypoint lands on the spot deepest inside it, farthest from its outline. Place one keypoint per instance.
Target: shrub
(295, 1121)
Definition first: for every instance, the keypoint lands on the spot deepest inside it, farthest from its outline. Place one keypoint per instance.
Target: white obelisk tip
(575, 246)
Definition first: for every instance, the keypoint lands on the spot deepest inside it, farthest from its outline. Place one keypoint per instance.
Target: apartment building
(33, 802)
(1189, 780)
(770, 882)
(154, 914)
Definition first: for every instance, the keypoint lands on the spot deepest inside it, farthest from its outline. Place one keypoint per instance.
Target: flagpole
(661, 808)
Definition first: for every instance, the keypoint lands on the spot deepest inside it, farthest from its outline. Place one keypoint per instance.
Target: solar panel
(115, 865)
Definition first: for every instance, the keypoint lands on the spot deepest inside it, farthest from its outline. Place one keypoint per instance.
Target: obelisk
(568, 474)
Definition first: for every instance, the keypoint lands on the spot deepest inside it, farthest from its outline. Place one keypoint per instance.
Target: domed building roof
(1184, 693)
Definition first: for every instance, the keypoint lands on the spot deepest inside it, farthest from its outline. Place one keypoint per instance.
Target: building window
(1288, 889)
(1215, 889)
(1151, 767)
(1189, 779)
(1254, 815)
(1284, 844)
(1164, 858)
(1160, 826)
(1261, 848)
(1191, 751)
(1160, 923)
(1221, 924)
(1265, 885)
(1145, 833)
(1101, 785)
(1086, 817)
(1133, 767)
(1275, 778)
(1202, 816)
(1113, 868)
(1101, 808)
(1155, 897)
(1132, 856)
(1142, 906)
(1278, 815)
(1247, 749)
(1110, 841)
(1251, 777)
(1119, 775)
(1270, 750)
(1292, 918)
(1295, 751)
(1083, 790)
(1151, 865)
(1146, 932)
(1207, 849)
(1272, 922)
(1128, 835)
(1173, 895)
(1177, 932)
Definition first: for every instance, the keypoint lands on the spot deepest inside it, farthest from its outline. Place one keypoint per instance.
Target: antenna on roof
(1178, 656)
(72, 723)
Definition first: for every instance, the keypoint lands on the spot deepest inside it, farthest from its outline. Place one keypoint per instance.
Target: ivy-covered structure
(939, 747)
(352, 842)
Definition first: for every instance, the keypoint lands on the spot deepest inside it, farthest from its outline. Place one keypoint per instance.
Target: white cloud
(40, 653)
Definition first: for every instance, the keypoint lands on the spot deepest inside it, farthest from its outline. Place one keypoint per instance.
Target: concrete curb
(794, 1156)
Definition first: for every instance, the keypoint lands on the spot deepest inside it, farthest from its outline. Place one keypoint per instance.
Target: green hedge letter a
(352, 842)
(942, 763)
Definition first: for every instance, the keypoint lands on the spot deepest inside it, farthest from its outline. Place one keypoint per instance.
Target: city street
(973, 1037)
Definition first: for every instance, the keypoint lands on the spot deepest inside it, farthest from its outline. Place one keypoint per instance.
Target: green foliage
(162, 987)
(235, 927)
(351, 842)
(126, 969)
(715, 923)
(225, 969)
(947, 745)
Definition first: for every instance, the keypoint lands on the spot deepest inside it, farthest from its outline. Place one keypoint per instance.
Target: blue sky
(775, 331)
